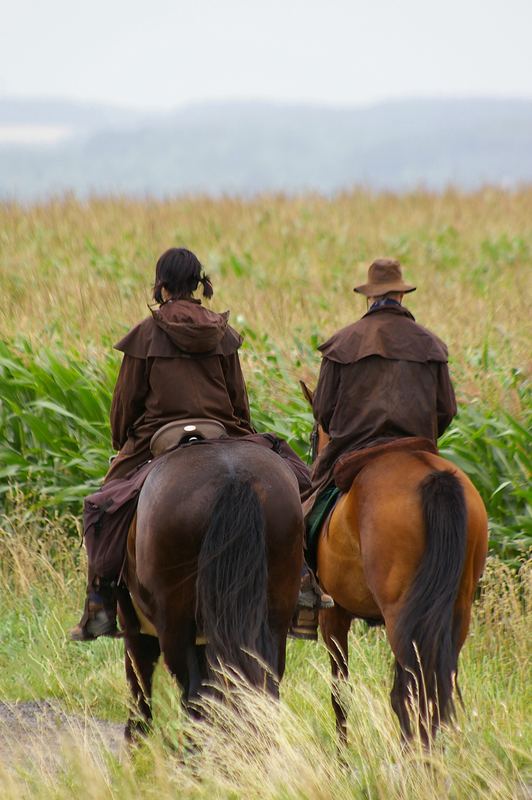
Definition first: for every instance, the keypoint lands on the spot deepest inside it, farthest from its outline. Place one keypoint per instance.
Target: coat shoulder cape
(385, 334)
(149, 340)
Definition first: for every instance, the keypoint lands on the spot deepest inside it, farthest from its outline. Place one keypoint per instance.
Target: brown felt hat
(384, 276)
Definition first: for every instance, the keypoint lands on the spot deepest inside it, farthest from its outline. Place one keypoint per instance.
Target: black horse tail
(426, 635)
(232, 584)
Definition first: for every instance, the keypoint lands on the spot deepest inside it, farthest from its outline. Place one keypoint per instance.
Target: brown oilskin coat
(382, 377)
(182, 362)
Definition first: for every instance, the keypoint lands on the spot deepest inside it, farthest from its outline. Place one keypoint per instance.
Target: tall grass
(55, 440)
(54, 422)
(79, 273)
(75, 275)
(291, 750)
(494, 450)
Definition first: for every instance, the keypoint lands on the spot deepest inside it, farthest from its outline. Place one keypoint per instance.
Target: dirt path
(41, 730)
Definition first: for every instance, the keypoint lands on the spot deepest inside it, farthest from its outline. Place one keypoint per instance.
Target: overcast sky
(164, 53)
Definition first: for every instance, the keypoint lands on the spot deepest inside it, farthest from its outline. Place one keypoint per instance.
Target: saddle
(350, 464)
(184, 431)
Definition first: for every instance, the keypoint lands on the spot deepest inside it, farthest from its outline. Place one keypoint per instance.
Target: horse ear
(307, 394)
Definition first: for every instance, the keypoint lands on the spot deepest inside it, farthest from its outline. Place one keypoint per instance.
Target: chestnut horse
(213, 570)
(405, 546)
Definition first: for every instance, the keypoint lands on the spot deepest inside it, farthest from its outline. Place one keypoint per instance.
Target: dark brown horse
(214, 562)
(405, 546)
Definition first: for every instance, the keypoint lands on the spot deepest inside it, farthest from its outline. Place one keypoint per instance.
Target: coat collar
(181, 300)
(395, 309)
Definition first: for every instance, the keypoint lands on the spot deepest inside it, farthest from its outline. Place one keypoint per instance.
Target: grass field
(80, 274)
(293, 755)
(74, 276)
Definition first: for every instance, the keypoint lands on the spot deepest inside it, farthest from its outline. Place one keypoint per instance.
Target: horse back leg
(475, 561)
(277, 668)
(334, 625)
(283, 590)
(186, 662)
(141, 655)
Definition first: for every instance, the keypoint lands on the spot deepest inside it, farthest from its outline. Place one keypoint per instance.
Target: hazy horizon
(251, 100)
(241, 148)
(247, 96)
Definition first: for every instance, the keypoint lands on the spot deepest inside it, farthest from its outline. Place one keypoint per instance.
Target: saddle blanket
(350, 464)
(314, 522)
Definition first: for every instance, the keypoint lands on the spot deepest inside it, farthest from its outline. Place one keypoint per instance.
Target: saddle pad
(314, 522)
(350, 464)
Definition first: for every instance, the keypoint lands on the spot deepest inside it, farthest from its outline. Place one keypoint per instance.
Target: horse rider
(180, 362)
(383, 377)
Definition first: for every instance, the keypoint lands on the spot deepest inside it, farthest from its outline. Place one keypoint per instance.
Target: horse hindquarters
(424, 637)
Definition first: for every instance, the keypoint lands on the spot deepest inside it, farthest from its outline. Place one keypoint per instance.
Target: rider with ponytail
(181, 362)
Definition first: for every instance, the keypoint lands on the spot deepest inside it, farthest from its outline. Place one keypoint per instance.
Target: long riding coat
(382, 377)
(182, 362)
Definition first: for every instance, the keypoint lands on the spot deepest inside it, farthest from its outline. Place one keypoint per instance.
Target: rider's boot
(311, 600)
(311, 594)
(99, 614)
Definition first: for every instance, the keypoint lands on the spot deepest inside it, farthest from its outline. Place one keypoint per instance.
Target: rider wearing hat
(383, 377)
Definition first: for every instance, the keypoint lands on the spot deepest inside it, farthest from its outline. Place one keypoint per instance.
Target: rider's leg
(99, 614)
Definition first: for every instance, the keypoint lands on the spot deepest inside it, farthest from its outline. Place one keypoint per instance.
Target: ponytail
(208, 291)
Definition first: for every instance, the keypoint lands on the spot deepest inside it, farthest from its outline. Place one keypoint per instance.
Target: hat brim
(376, 289)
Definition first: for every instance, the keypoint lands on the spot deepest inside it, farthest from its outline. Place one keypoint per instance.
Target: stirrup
(304, 624)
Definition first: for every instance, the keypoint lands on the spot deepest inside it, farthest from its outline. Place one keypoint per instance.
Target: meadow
(74, 277)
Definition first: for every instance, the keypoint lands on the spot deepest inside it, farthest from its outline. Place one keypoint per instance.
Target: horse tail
(232, 584)
(425, 631)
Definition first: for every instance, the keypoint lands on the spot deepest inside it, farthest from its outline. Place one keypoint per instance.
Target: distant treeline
(247, 148)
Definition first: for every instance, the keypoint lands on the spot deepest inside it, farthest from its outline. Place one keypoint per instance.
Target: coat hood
(181, 328)
(190, 326)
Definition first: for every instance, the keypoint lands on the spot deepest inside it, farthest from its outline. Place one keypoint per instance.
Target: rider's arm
(236, 387)
(446, 400)
(128, 398)
(326, 394)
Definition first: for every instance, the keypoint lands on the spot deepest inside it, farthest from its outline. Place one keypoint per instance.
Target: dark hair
(179, 272)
